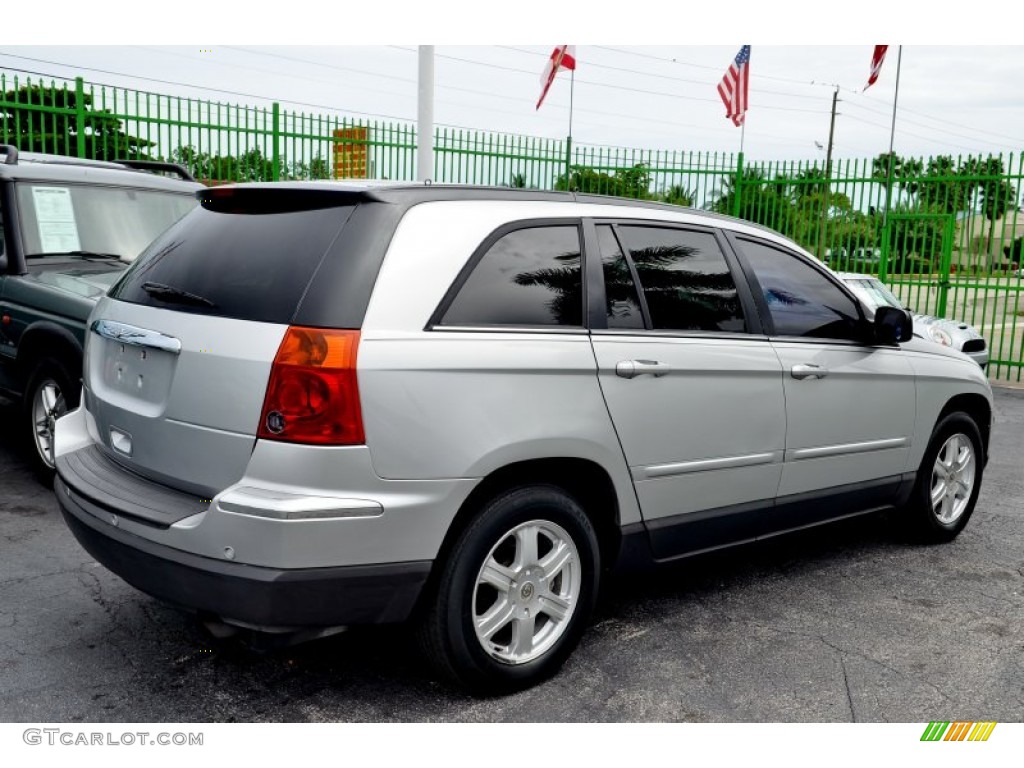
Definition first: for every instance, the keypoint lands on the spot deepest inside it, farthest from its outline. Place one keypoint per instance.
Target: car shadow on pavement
(382, 668)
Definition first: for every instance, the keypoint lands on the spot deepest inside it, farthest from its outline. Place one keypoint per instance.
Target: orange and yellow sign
(351, 153)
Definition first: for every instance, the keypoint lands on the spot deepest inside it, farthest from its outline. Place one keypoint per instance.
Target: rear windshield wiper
(83, 254)
(175, 295)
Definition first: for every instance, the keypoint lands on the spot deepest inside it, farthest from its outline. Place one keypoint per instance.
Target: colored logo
(958, 731)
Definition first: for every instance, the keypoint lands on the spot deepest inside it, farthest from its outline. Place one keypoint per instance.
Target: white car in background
(949, 333)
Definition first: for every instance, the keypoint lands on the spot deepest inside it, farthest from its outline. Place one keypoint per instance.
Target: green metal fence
(945, 232)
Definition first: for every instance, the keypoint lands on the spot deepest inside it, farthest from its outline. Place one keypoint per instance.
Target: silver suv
(318, 405)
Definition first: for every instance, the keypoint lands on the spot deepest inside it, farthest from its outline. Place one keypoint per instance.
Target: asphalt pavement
(845, 623)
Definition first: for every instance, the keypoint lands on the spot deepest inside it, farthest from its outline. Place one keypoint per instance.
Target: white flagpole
(568, 144)
(892, 138)
(572, 88)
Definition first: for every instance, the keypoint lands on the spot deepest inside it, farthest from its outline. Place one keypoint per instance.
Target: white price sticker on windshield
(55, 217)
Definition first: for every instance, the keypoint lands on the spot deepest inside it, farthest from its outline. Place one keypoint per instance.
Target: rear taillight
(313, 395)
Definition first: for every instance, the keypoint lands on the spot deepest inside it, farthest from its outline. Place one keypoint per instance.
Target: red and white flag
(735, 86)
(563, 57)
(876, 64)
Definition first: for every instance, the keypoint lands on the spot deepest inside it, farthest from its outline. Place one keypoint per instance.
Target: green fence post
(883, 259)
(276, 137)
(945, 262)
(568, 163)
(738, 193)
(80, 117)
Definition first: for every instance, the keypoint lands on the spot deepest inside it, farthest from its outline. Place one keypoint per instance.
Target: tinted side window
(621, 301)
(802, 301)
(528, 277)
(685, 279)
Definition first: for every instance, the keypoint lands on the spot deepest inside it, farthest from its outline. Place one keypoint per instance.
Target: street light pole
(425, 115)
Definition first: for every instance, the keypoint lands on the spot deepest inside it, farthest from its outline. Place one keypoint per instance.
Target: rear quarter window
(531, 276)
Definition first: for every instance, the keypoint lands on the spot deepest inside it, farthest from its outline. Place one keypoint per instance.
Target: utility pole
(425, 115)
(828, 177)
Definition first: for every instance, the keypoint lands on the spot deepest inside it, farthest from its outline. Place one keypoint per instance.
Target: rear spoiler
(277, 198)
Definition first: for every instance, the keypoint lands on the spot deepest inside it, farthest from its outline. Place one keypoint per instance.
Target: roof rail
(11, 153)
(156, 165)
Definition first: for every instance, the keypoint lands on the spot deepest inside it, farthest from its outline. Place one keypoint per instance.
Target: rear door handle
(629, 369)
(809, 371)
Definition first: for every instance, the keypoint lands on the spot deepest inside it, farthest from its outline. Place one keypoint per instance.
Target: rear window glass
(530, 276)
(248, 266)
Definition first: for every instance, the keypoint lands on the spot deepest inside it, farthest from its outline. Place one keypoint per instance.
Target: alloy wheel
(48, 405)
(526, 592)
(953, 477)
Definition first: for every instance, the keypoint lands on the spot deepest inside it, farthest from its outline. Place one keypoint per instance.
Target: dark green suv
(68, 228)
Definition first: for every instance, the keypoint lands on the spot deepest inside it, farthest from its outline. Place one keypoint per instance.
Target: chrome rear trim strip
(137, 337)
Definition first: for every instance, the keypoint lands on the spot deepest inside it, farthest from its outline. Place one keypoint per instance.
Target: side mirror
(893, 325)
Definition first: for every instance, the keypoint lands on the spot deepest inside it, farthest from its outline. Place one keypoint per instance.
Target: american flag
(876, 64)
(563, 57)
(734, 86)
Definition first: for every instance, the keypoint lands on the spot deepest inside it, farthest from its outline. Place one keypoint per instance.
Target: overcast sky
(952, 99)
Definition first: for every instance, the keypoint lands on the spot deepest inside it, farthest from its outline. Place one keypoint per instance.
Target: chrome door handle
(629, 369)
(809, 371)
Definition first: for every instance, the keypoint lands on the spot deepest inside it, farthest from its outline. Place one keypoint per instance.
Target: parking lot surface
(844, 623)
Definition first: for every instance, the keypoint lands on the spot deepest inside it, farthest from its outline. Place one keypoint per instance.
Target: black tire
(922, 520)
(53, 375)
(447, 629)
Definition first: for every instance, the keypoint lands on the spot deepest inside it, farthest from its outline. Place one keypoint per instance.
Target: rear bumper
(262, 597)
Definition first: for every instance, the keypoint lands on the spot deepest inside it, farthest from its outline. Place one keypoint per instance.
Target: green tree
(906, 172)
(677, 194)
(315, 169)
(915, 244)
(806, 186)
(947, 185)
(632, 182)
(853, 229)
(197, 163)
(102, 134)
(760, 200)
(251, 166)
(996, 196)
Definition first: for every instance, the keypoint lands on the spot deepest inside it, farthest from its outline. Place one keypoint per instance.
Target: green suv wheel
(50, 394)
